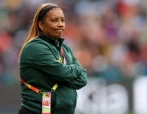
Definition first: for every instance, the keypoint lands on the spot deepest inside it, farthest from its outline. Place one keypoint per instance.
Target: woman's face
(53, 24)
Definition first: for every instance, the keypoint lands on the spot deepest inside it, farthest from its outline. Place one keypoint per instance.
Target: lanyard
(63, 56)
(36, 89)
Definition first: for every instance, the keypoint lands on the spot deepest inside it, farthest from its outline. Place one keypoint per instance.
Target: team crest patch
(60, 59)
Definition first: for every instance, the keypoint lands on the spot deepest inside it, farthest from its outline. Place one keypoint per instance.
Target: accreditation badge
(46, 103)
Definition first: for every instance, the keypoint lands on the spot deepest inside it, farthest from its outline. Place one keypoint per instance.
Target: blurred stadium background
(109, 38)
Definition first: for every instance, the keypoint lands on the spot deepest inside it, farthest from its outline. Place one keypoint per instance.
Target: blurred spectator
(109, 37)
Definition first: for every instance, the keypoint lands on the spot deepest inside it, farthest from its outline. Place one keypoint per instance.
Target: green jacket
(40, 67)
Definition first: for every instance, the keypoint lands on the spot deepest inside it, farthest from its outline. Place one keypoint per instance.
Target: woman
(48, 67)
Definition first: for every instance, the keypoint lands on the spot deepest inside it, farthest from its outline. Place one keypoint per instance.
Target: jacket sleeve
(81, 80)
(40, 57)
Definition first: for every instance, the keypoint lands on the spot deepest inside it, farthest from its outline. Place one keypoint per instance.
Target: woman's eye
(62, 20)
(54, 20)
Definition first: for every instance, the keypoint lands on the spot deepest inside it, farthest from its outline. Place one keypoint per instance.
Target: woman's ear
(40, 25)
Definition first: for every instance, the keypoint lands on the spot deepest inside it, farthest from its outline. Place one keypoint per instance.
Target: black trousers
(23, 110)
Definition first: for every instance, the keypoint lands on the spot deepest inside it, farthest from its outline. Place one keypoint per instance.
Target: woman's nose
(60, 23)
